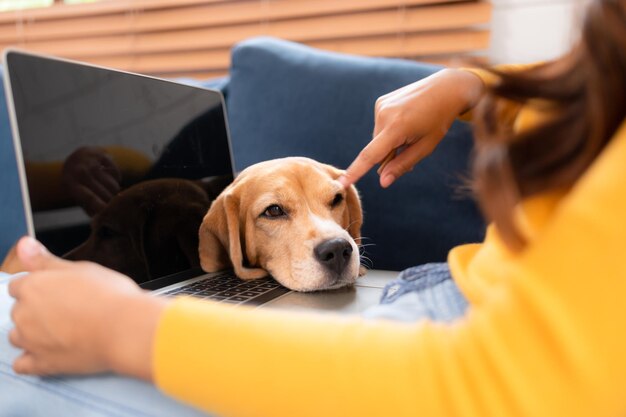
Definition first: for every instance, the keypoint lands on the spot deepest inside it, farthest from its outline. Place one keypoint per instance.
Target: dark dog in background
(150, 229)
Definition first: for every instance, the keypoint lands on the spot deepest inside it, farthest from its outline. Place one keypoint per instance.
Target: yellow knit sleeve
(132, 164)
(44, 178)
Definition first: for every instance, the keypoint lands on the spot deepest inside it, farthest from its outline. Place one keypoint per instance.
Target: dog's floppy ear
(355, 213)
(220, 238)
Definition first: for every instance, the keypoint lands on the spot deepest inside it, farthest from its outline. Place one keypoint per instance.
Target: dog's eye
(337, 200)
(274, 211)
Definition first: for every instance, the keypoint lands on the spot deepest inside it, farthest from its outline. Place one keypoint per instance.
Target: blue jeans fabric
(421, 292)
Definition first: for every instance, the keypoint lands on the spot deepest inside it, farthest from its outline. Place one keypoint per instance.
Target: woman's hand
(79, 317)
(411, 121)
(91, 178)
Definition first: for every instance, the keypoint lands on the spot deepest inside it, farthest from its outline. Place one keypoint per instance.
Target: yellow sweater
(545, 334)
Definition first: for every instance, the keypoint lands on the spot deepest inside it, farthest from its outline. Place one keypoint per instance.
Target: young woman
(545, 331)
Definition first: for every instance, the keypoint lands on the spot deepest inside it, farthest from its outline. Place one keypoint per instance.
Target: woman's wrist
(468, 86)
(129, 341)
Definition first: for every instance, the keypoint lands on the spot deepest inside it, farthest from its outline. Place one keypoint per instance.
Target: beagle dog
(289, 218)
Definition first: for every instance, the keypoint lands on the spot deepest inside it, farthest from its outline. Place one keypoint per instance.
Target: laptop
(89, 140)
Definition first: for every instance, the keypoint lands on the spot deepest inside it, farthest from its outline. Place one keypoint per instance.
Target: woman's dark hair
(584, 93)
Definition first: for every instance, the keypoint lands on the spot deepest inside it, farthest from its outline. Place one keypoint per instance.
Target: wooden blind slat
(412, 46)
(445, 60)
(169, 62)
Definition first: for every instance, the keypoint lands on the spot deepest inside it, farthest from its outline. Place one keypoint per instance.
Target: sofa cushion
(286, 99)
(12, 220)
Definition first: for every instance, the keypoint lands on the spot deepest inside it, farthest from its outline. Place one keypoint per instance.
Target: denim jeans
(426, 291)
(421, 292)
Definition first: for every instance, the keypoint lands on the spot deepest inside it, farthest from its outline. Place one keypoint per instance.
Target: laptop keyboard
(228, 288)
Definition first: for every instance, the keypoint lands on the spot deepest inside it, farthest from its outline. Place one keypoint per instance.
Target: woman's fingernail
(387, 180)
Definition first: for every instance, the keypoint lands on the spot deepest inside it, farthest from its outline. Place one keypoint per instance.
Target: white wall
(533, 30)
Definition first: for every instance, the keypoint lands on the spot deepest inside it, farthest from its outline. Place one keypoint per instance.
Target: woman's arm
(78, 317)
(412, 120)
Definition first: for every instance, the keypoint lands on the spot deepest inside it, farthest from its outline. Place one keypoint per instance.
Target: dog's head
(289, 218)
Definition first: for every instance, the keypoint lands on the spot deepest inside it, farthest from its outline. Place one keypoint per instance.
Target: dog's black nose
(334, 254)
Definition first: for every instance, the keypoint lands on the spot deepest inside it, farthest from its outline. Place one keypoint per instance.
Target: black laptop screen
(120, 168)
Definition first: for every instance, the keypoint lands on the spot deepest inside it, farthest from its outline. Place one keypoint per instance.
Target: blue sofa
(286, 99)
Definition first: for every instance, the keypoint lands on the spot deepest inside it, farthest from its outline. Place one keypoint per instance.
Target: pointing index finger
(373, 153)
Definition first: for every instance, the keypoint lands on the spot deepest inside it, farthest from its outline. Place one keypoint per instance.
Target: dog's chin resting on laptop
(289, 218)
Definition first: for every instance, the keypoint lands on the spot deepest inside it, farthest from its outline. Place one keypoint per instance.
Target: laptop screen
(120, 168)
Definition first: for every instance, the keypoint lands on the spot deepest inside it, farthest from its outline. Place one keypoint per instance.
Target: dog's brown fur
(237, 232)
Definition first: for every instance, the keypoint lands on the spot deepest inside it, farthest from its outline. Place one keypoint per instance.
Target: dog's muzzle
(334, 254)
